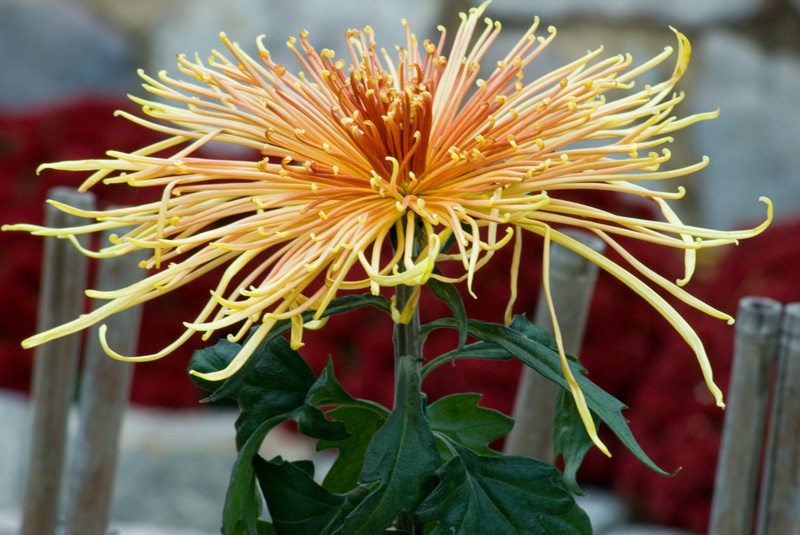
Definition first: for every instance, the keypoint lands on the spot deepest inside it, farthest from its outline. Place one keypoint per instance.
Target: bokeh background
(65, 66)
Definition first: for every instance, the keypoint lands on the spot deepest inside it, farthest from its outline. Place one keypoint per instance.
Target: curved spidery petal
(371, 149)
(236, 364)
(577, 394)
(649, 295)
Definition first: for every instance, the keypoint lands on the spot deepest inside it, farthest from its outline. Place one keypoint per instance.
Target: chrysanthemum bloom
(355, 151)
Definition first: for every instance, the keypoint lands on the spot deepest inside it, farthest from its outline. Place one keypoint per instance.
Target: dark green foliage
(400, 461)
(430, 466)
(501, 495)
(533, 347)
(462, 421)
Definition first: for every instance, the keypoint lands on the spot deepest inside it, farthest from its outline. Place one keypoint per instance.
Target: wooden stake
(55, 366)
(105, 387)
(757, 333)
(779, 507)
(572, 279)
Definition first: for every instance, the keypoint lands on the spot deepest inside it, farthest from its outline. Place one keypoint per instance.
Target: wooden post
(757, 333)
(572, 279)
(55, 366)
(105, 387)
(779, 507)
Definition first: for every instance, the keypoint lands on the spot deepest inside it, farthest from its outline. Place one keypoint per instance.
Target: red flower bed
(83, 129)
(629, 349)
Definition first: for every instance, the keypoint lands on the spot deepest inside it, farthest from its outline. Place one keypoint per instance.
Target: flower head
(356, 152)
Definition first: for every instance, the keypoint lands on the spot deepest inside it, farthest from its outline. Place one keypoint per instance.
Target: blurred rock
(173, 472)
(52, 52)
(753, 143)
(189, 453)
(194, 26)
(641, 529)
(9, 523)
(137, 19)
(605, 509)
(175, 466)
(675, 12)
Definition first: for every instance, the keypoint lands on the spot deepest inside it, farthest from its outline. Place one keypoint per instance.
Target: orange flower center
(386, 122)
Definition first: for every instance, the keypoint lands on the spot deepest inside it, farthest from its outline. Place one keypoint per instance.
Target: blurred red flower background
(629, 349)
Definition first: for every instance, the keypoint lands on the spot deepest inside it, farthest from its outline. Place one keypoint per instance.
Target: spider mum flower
(359, 151)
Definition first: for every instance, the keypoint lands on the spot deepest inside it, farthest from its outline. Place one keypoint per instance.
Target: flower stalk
(406, 334)
(407, 344)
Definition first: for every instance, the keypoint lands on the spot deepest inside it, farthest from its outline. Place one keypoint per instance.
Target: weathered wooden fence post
(779, 505)
(105, 385)
(572, 279)
(757, 335)
(55, 366)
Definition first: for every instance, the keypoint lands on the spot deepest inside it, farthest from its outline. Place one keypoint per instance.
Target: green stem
(406, 336)
(406, 344)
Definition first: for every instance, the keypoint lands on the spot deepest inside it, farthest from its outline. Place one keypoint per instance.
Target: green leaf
(278, 384)
(229, 386)
(570, 438)
(327, 391)
(478, 350)
(265, 528)
(361, 418)
(400, 461)
(452, 298)
(361, 424)
(336, 306)
(527, 343)
(297, 504)
(277, 389)
(352, 302)
(242, 501)
(500, 496)
(463, 421)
